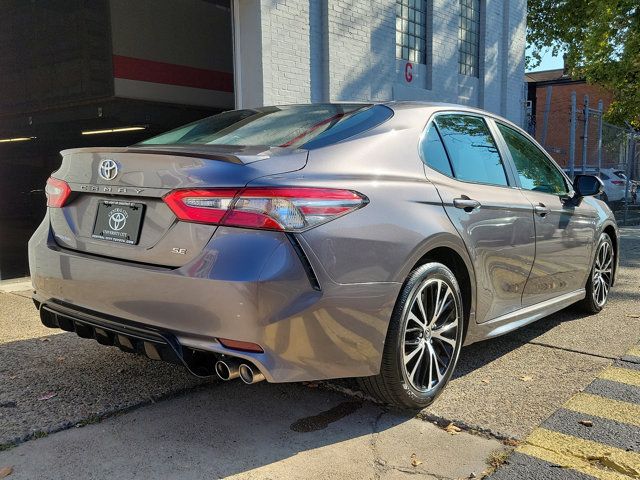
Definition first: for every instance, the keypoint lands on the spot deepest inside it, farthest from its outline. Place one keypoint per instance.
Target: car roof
(436, 106)
(398, 105)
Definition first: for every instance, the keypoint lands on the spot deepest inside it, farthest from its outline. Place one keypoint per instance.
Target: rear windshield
(295, 126)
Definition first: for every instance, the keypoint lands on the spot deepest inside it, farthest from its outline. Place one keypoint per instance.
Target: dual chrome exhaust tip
(231, 368)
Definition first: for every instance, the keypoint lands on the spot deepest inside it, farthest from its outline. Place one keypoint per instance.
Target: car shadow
(480, 354)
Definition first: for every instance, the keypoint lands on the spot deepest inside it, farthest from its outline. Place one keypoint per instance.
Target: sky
(549, 62)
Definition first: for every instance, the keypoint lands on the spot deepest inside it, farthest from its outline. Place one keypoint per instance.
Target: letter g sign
(408, 72)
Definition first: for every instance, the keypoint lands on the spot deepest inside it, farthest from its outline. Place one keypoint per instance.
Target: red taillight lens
(281, 208)
(57, 192)
(201, 206)
(617, 182)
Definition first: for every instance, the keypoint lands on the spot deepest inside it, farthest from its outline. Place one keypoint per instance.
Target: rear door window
(471, 148)
(535, 170)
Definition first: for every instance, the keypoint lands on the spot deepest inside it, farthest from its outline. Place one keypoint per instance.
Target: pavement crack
(417, 471)
(442, 422)
(379, 463)
(565, 349)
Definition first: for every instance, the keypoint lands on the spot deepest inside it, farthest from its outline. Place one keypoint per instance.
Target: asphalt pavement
(595, 434)
(70, 408)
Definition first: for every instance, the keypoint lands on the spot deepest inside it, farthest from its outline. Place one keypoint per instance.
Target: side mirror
(587, 185)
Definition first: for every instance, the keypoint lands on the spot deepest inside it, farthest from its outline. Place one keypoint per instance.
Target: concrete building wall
(516, 43)
(338, 50)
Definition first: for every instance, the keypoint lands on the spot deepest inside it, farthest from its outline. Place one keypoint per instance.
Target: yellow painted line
(605, 408)
(591, 458)
(634, 352)
(622, 375)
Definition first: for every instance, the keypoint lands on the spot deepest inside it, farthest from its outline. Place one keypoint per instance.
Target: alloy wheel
(430, 334)
(602, 273)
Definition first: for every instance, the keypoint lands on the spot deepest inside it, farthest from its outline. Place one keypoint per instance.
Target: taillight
(201, 206)
(617, 182)
(278, 208)
(57, 192)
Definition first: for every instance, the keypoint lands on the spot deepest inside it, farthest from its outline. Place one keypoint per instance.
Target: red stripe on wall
(171, 74)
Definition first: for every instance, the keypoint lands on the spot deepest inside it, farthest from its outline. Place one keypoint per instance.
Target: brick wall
(557, 139)
(286, 51)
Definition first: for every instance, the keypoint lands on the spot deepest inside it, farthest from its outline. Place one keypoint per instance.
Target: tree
(601, 39)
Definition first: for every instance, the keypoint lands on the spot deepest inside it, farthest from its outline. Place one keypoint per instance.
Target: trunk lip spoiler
(237, 155)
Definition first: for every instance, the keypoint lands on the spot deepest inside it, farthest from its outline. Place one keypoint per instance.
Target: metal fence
(582, 142)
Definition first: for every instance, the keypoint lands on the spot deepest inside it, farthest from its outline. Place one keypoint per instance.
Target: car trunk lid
(128, 206)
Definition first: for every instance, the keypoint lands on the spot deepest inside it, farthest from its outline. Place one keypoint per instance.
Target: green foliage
(601, 39)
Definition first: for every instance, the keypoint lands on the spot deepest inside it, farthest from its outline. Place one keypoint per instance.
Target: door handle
(465, 203)
(541, 210)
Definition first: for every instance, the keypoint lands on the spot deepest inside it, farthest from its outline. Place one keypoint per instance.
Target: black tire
(590, 304)
(392, 385)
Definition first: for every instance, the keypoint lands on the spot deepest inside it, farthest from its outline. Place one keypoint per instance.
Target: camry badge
(108, 169)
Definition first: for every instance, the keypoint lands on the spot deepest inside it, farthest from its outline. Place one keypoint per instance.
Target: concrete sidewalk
(266, 432)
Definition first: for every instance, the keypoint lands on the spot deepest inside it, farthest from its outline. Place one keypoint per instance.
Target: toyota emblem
(108, 169)
(117, 220)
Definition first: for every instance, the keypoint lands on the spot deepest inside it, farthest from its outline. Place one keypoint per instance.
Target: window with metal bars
(469, 37)
(411, 31)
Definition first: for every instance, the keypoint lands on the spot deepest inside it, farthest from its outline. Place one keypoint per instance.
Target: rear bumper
(245, 285)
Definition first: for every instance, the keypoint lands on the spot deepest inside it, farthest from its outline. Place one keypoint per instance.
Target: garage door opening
(100, 73)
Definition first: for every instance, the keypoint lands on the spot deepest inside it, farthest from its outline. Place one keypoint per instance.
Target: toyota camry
(309, 242)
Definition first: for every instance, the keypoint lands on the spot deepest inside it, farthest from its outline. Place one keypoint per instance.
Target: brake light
(57, 192)
(617, 182)
(200, 206)
(278, 208)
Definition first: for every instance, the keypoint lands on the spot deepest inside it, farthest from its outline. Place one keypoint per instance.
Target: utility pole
(630, 162)
(545, 121)
(585, 137)
(572, 137)
(600, 113)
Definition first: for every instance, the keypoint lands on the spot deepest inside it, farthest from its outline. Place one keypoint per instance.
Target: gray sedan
(310, 242)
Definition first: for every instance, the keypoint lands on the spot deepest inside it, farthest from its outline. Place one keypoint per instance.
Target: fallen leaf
(486, 382)
(44, 339)
(60, 359)
(586, 423)
(5, 471)
(414, 460)
(311, 384)
(452, 429)
(47, 396)
(630, 315)
(510, 442)
(526, 378)
(472, 475)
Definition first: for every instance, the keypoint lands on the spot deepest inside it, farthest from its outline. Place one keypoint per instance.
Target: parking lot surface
(148, 419)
